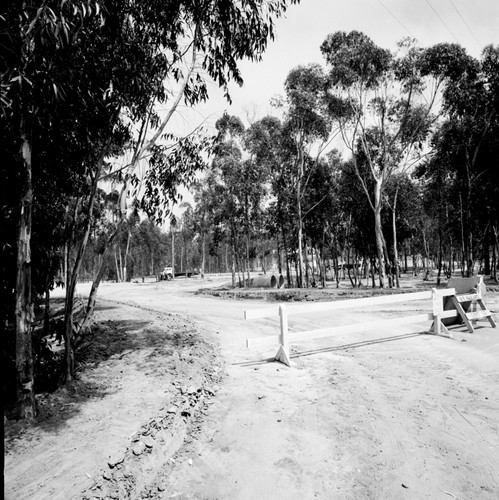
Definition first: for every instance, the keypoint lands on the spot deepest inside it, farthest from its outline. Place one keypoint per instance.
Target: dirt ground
(170, 404)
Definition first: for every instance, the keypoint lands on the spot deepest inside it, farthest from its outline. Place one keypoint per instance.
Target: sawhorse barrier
(285, 338)
(467, 300)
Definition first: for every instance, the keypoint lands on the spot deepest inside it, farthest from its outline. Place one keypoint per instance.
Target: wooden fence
(285, 338)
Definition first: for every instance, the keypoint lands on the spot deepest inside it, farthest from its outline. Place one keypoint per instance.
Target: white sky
(471, 23)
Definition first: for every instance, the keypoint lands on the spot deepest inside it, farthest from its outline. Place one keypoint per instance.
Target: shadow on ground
(102, 356)
(343, 347)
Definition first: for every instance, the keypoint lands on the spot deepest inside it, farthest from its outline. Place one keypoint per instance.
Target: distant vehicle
(166, 274)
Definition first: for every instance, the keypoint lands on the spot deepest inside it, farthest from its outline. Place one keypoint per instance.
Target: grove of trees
(91, 165)
(419, 183)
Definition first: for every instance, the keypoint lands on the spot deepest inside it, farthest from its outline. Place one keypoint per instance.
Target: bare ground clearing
(363, 416)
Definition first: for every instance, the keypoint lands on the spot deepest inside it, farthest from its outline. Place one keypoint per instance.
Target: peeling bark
(23, 299)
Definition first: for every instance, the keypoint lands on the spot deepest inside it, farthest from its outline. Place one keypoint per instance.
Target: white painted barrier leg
(438, 327)
(283, 351)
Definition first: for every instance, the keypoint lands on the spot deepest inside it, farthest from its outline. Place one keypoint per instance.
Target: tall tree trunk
(66, 265)
(286, 255)
(440, 255)
(46, 311)
(23, 301)
(471, 256)
(486, 253)
(70, 290)
(92, 297)
(116, 265)
(279, 255)
(394, 230)
(379, 233)
(182, 253)
(120, 254)
(239, 268)
(495, 253)
(173, 253)
(203, 254)
(451, 258)
(233, 263)
(125, 273)
(463, 240)
(247, 259)
(306, 264)
(373, 278)
(349, 250)
(301, 168)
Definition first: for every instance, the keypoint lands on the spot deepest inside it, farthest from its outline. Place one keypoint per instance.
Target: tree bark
(440, 256)
(23, 300)
(121, 262)
(118, 274)
(92, 297)
(66, 265)
(495, 252)
(173, 253)
(286, 253)
(394, 230)
(233, 263)
(379, 233)
(373, 278)
(203, 254)
(125, 273)
(46, 311)
(72, 279)
(301, 166)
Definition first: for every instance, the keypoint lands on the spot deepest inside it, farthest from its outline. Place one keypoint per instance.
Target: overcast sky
(471, 23)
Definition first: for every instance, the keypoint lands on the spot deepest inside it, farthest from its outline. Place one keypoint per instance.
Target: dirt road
(387, 415)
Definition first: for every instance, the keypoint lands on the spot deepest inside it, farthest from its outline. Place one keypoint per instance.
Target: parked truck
(166, 274)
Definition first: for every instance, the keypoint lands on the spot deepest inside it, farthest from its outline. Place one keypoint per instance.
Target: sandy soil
(378, 414)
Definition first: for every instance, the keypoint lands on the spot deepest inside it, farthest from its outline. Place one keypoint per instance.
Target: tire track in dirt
(393, 451)
(468, 433)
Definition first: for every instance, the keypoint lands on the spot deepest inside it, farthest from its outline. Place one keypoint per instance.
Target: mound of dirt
(299, 294)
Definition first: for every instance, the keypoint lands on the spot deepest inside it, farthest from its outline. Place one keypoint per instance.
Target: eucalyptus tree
(231, 197)
(354, 220)
(321, 214)
(229, 211)
(273, 149)
(306, 123)
(104, 65)
(226, 189)
(243, 178)
(384, 104)
(202, 221)
(40, 90)
(186, 231)
(467, 146)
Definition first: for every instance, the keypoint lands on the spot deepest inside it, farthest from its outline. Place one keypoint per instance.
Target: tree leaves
(354, 59)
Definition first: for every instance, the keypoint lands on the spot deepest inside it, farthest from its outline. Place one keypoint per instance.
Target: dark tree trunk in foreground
(24, 307)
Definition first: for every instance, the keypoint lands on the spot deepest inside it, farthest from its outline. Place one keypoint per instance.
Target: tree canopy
(81, 85)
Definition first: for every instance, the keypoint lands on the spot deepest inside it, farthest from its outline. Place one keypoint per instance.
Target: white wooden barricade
(468, 301)
(285, 338)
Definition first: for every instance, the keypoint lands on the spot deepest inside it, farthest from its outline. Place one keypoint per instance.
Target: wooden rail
(285, 338)
(268, 312)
